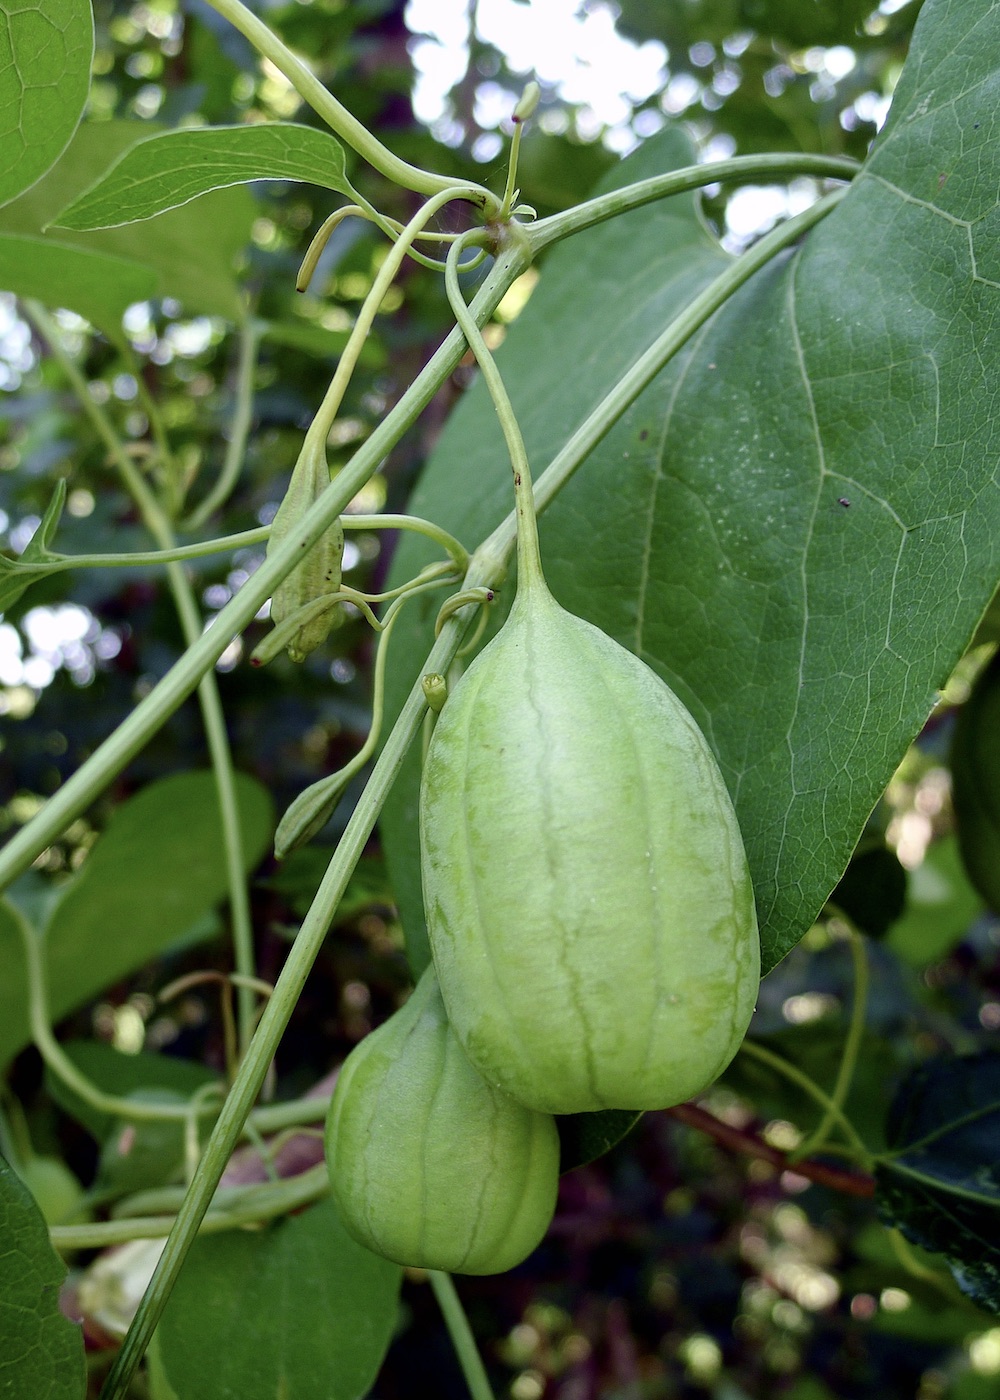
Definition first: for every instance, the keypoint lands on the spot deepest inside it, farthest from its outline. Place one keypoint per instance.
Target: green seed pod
(429, 1165)
(975, 771)
(320, 570)
(587, 893)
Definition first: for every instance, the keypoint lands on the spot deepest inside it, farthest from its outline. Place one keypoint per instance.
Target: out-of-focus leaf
(189, 251)
(46, 47)
(41, 1351)
(942, 1188)
(317, 340)
(298, 878)
(156, 871)
(940, 906)
(97, 286)
(174, 167)
(872, 890)
(297, 1309)
(116, 1073)
(975, 766)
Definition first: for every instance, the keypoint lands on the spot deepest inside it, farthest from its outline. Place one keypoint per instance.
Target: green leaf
(186, 253)
(158, 869)
(14, 579)
(297, 1310)
(940, 906)
(585, 1136)
(175, 167)
(96, 286)
(41, 1355)
(117, 1073)
(943, 1189)
(798, 524)
(46, 47)
(872, 891)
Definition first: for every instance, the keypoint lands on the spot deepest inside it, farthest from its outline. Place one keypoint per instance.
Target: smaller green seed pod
(320, 570)
(429, 1165)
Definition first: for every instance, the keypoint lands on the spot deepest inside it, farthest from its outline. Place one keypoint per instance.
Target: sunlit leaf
(190, 251)
(175, 167)
(46, 47)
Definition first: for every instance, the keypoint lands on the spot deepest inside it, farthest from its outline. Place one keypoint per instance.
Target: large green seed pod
(587, 893)
(429, 1165)
(975, 771)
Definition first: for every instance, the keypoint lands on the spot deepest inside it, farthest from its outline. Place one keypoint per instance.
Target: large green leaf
(295, 1310)
(46, 48)
(798, 524)
(41, 1351)
(189, 251)
(156, 871)
(942, 1188)
(175, 167)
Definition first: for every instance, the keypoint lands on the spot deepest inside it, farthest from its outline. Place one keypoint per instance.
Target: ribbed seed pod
(587, 893)
(429, 1165)
(975, 771)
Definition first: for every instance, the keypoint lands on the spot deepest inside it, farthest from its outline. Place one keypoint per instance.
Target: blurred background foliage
(675, 1267)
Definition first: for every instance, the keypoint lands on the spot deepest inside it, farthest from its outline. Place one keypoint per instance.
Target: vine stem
(861, 1154)
(213, 718)
(56, 1059)
(250, 333)
(232, 1208)
(529, 564)
(683, 181)
(244, 539)
(336, 116)
(319, 428)
(852, 1045)
(461, 1335)
(739, 1140)
(288, 988)
(91, 778)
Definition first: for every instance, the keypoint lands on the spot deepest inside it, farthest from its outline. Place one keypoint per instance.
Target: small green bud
(529, 101)
(435, 689)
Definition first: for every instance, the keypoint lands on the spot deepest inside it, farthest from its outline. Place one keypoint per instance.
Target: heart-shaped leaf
(797, 525)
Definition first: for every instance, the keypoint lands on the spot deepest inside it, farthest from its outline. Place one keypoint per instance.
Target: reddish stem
(739, 1140)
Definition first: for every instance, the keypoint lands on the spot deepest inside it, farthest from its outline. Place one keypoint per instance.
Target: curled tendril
(460, 600)
(312, 808)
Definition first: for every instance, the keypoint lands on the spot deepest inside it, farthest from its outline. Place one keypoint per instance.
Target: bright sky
(571, 47)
